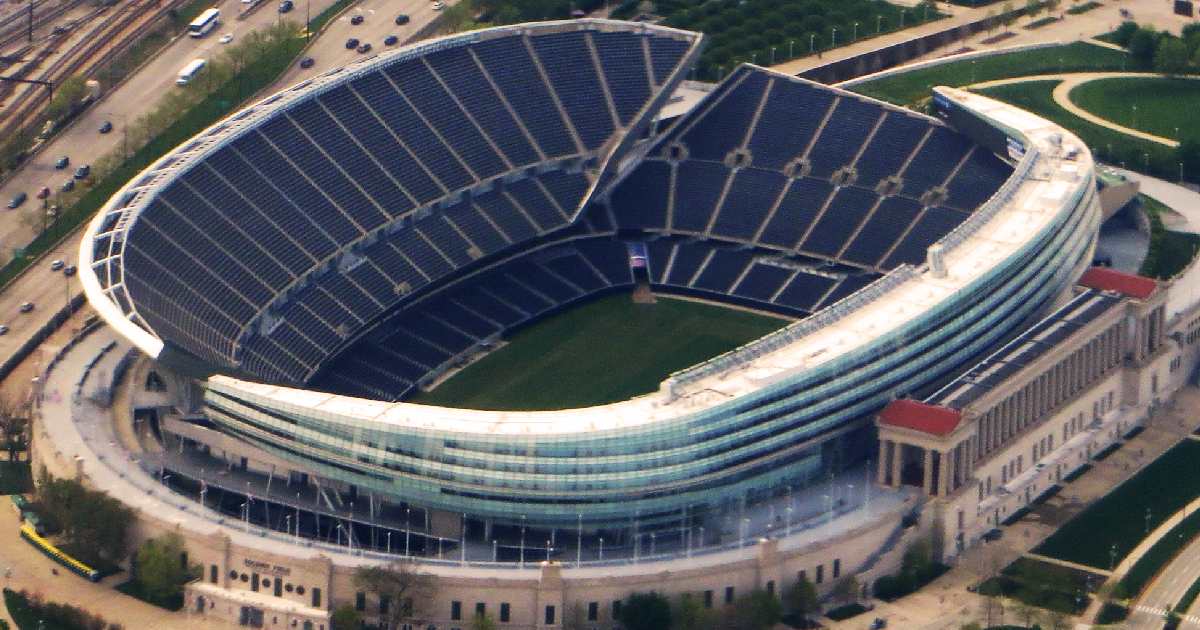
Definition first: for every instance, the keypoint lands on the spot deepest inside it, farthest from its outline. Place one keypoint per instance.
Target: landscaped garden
(1163, 106)
(1104, 533)
(774, 31)
(911, 87)
(1043, 585)
(1170, 252)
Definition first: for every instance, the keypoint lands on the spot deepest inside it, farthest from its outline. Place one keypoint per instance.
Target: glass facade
(788, 433)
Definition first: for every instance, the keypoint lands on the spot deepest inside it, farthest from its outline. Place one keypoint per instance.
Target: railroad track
(14, 27)
(91, 52)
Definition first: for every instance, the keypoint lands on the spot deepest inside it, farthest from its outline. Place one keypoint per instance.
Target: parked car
(364, 47)
(286, 6)
(307, 62)
(352, 43)
(83, 171)
(439, 5)
(26, 307)
(105, 127)
(993, 534)
(3, 329)
(357, 19)
(68, 185)
(43, 192)
(226, 38)
(401, 19)
(390, 40)
(879, 624)
(17, 200)
(62, 162)
(57, 264)
(69, 271)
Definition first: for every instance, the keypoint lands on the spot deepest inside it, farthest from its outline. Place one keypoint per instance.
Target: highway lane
(379, 21)
(1167, 589)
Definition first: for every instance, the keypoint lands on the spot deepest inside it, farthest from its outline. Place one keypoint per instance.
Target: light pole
(602, 548)
(522, 541)
(389, 542)
(1181, 172)
(772, 55)
(855, 37)
(652, 538)
(878, 21)
(495, 549)
(1135, 115)
(901, 18)
(579, 539)
(812, 38)
(1147, 521)
(833, 42)
(407, 528)
(791, 48)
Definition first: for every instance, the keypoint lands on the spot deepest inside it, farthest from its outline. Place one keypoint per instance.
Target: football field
(603, 351)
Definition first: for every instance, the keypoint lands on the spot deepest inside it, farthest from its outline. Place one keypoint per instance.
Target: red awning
(918, 416)
(1106, 279)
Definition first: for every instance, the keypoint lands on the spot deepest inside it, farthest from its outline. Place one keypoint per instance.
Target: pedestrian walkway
(1067, 563)
(1160, 613)
(1070, 81)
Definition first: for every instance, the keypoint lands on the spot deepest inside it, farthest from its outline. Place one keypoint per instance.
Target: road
(1167, 589)
(329, 51)
(131, 99)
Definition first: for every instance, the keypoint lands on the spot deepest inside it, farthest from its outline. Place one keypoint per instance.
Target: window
(770, 587)
(455, 611)
(820, 573)
(480, 609)
(593, 611)
(802, 575)
(384, 604)
(316, 598)
(837, 568)
(708, 599)
(212, 573)
(728, 594)
(504, 612)
(616, 609)
(550, 615)
(360, 601)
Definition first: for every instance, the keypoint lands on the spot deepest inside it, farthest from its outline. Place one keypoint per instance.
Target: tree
(1033, 8)
(800, 599)
(758, 610)
(66, 96)
(1124, 33)
(1007, 15)
(93, 523)
(345, 617)
(1051, 5)
(400, 583)
(645, 611)
(483, 622)
(1057, 620)
(161, 572)
(846, 590)
(1143, 45)
(1171, 58)
(14, 424)
(689, 614)
(1026, 613)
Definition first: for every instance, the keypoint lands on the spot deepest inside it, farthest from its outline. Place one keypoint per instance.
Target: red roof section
(918, 416)
(1106, 279)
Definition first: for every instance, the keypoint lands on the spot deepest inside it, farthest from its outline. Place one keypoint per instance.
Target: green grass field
(606, 350)
(1107, 145)
(1164, 105)
(1170, 252)
(1119, 518)
(912, 87)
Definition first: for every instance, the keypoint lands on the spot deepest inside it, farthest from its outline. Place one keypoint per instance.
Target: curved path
(1070, 81)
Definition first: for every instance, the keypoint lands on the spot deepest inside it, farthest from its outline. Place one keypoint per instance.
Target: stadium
(333, 253)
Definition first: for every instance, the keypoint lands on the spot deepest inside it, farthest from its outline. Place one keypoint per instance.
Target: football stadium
(526, 301)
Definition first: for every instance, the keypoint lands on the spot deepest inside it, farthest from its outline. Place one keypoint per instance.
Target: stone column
(897, 459)
(883, 463)
(928, 482)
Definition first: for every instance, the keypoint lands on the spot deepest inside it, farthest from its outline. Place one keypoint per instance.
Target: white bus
(206, 22)
(190, 71)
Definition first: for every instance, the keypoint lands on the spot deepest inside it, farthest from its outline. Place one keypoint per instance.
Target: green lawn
(911, 87)
(1119, 518)
(1164, 106)
(1160, 554)
(1043, 585)
(1107, 145)
(606, 350)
